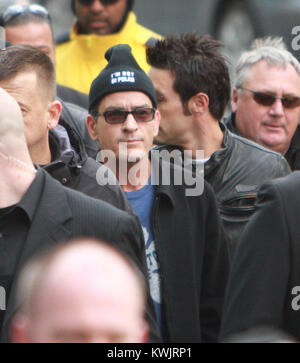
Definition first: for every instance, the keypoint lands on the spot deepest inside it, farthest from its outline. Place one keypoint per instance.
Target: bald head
(11, 121)
(85, 291)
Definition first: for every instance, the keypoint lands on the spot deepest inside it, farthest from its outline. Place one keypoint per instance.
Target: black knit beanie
(121, 74)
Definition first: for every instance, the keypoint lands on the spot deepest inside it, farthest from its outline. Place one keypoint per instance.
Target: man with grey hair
(266, 98)
(83, 291)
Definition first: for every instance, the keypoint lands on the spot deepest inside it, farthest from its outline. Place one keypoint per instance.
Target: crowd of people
(131, 209)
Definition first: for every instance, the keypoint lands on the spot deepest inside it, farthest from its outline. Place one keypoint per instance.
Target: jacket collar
(158, 166)
(60, 142)
(64, 160)
(218, 156)
(69, 124)
(66, 145)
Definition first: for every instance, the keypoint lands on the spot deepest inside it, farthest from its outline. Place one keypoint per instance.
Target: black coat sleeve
(259, 276)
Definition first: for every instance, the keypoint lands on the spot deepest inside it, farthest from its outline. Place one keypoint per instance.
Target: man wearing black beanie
(99, 25)
(186, 251)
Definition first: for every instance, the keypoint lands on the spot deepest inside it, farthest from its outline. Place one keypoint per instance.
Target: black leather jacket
(292, 155)
(235, 172)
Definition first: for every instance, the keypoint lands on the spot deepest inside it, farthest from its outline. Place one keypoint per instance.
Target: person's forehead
(81, 265)
(30, 32)
(163, 81)
(21, 82)
(123, 99)
(161, 76)
(80, 297)
(92, 311)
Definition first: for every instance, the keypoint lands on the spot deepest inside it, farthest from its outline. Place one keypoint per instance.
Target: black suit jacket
(62, 214)
(265, 273)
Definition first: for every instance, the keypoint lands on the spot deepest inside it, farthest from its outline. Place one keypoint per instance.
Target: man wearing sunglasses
(266, 99)
(100, 24)
(193, 88)
(186, 250)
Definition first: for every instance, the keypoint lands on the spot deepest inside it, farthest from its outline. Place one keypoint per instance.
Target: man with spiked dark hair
(192, 84)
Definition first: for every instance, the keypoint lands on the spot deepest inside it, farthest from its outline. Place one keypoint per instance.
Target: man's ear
(54, 111)
(157, 118)
(199, 103)
(91, 125)
(234, 100)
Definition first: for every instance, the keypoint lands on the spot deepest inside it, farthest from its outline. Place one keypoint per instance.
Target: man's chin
(277, 144)
(99, 30)
(133, 157)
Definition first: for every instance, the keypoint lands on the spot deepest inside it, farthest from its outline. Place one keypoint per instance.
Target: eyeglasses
(113, 117)
(266, 99)
(16, 10)
(90, 2)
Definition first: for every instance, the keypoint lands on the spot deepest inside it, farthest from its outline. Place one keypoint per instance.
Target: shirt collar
(30, 200)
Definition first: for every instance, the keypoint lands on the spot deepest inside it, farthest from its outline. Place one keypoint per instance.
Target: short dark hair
(22, 58)
(197, 66)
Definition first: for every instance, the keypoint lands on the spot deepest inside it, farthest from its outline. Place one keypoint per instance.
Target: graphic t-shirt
(142, 202)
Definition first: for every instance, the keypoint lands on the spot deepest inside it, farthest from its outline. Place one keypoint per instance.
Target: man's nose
(130, 123)
(277, 109)
(96, 6)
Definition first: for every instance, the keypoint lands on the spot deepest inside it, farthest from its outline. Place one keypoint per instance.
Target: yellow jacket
(80, 59)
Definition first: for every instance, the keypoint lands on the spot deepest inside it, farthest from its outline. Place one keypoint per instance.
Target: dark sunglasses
(90, 2)
(16, 10)
(266, 99)
(113, 117)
